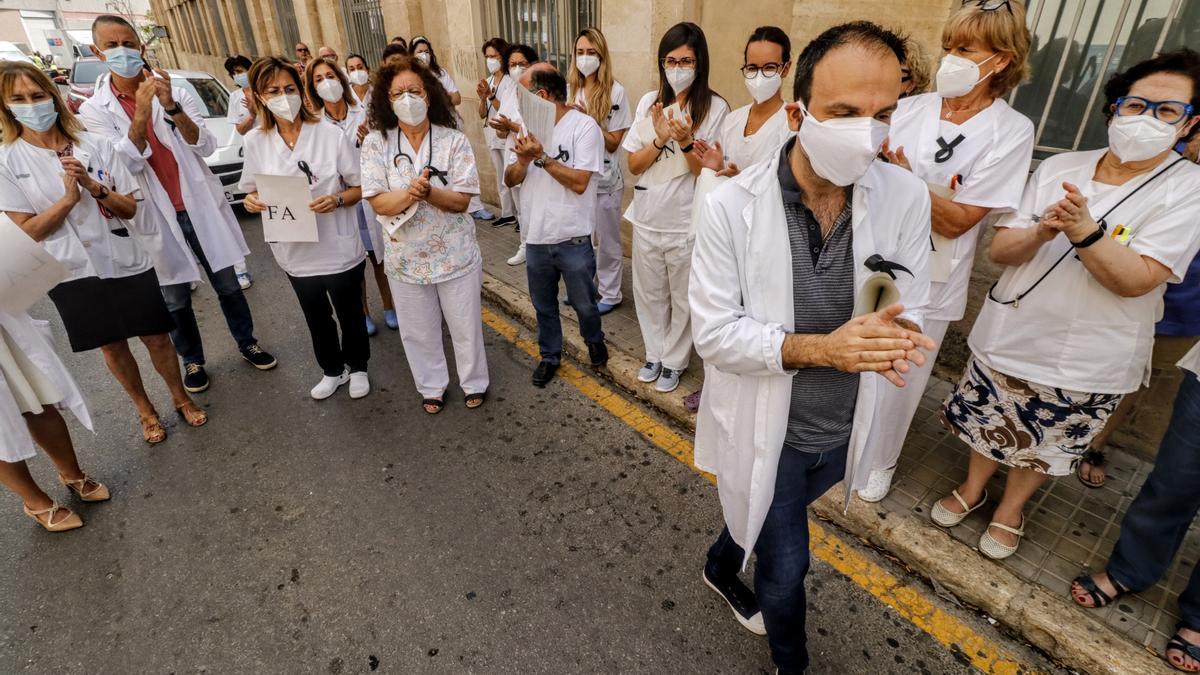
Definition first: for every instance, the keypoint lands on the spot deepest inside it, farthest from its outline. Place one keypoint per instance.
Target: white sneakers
(879, 484)
(519, 258)
(360, 386)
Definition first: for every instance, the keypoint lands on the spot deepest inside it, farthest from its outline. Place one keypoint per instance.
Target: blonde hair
(10, 128)
(920, 66)
(1003, 30)
(261, 73)
(598, 102)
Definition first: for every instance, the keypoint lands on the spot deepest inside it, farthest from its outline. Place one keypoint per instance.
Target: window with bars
(289, 31)
(549, 26)
(364, 28)
(1077, 46)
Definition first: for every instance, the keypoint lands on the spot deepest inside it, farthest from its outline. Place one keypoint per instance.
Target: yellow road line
(908, 600)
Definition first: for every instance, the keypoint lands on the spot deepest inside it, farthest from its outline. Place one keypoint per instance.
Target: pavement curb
(1050, 622)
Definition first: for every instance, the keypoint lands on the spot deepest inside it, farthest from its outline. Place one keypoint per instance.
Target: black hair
(772, 34)
(112, 20)
(360, 57)
(235, 61)
(687, 34)
(863, 33)
(497, 43)
(1185, 62)
(524, 50)
(393, 49)
(552, 82)
(433, 64)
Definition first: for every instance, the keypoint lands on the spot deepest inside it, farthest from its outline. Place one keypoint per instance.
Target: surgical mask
(38, 116)
(680, 78)
(242, 79)
(841, 150)
(286, 106)
(410, 109)
(762, 88)
(516, 71)
(358, 77)
(124, 62)
(424, 56)
(330, 90)
(587, 64)
(493, 65)
(957, 76)
(1135, 138)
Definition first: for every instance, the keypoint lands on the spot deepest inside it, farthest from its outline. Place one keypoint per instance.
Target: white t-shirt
(238, 110)
(987, 168)
(667, 207)
(1191, 360)
(1071, 332)
(551, 213)
(334, 166)
(494, 142)
(763, 144)
(31, 181)
(447, 81)
(619, 117)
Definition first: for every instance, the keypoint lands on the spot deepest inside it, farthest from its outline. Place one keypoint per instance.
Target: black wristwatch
(103, 194)
(688, 148)
(540, 162)
(171, 112)
(1090, 239)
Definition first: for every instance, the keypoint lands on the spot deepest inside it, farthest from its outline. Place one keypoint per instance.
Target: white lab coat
(742, 307)
(203, 196)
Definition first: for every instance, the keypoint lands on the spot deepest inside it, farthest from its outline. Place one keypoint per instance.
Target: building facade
(53, 26)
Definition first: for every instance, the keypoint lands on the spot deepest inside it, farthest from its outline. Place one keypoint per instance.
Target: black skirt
(98, 311)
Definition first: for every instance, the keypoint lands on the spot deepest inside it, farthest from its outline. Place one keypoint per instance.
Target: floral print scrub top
(433, 245)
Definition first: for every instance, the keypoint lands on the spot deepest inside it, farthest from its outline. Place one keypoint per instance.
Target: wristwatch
(173, 111)
(102, 195)
(340, 202)
(540, 162)
(1090, 239)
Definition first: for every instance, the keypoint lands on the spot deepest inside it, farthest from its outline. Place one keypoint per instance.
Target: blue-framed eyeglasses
(1171, 112)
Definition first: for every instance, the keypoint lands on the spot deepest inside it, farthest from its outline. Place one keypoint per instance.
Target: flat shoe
(994, 549)
(153, 431)
(192, 414)
(947, 518)
(87, 488)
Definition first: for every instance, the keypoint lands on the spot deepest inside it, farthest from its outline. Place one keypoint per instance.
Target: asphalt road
(537, 534)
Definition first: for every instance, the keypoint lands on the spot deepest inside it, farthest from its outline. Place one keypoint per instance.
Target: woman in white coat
(419, 174)
(1068, 329)
(489, 91)
(326, 275)
(358, 73)
(973, 151)
(34, 385)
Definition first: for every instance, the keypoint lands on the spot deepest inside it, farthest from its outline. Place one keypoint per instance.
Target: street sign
(159, 32)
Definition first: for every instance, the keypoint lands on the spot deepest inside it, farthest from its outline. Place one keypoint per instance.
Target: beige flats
(994, 549)
(947, 518)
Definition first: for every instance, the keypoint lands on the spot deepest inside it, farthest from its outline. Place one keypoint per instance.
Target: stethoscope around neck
(434, 172)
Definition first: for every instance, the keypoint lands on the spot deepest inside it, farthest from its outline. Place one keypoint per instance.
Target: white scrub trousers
(421, 309)
(662, 263)
(609, 255)
(507, 197)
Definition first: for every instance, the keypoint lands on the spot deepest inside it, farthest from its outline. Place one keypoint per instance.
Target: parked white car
(213, 99)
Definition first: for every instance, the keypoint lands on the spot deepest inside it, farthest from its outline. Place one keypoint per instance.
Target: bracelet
(657, 146)
(1090, 239)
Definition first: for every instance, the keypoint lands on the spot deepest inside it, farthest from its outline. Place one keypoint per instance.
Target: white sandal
(947, 518)
(994, 549)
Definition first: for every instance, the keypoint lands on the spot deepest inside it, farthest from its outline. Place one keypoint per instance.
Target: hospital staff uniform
(745, 151)
(496, 145)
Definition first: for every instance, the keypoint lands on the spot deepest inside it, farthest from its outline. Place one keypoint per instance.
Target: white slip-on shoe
(879, 484)
(994, 549)
(360, 386)
(328, 385)
(649, 372)
(947, 518)
(519, 258)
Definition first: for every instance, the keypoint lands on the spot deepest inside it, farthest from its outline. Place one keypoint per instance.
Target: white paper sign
(391, 224)
(671, 162)
(287, 218)
(537, 115)
(27, 271)
(941, 249)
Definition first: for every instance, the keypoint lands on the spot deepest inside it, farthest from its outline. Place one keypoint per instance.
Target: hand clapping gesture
(681, 128)
(76, 170)
(1070, 216)
(419, 188)
(528, 148)
(896, 156)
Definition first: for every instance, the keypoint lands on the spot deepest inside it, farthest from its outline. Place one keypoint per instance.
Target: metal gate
(549, 26)
(285, 14)
(364, 28)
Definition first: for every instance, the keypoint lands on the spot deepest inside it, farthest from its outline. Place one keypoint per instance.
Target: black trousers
(323, 296)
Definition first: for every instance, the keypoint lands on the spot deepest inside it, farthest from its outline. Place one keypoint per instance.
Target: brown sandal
(192, 414)
(89, 489)
(153, 431)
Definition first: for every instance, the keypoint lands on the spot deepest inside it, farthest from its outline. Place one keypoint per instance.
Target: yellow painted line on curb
(908, 600)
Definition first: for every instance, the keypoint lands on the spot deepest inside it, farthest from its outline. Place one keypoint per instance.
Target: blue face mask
(124, 62)
(38, 116)
(242, 79)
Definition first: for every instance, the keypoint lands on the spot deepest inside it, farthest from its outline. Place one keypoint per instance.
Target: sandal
(72, 521)
(1188, 649)
(1096, 458)
(153, 431)
(947, 518)
(192, 414)
(436, 403)
(476, 400)
(992, 548)
(88, 488)
(1099, 597)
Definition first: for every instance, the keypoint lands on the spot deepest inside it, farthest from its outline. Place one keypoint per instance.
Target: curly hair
(382, 118)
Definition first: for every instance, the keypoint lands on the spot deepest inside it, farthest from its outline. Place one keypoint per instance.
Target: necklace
(951, 112)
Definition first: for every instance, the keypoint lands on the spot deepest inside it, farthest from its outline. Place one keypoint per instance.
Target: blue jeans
(1159, 517)
(782, 551)
(186, 335)
(574, 262)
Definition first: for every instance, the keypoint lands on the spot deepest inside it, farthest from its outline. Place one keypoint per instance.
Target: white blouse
(761, 145)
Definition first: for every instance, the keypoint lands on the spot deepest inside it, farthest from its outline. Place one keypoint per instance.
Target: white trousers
(609, 256)
(897, 405)
(421, 309)
(662, 263)
(508, 207)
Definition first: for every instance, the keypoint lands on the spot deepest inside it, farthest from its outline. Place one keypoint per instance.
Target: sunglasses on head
(990, 5)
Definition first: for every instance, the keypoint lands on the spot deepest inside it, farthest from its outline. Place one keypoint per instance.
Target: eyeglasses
(768, 70)
(1171, 112)
(990, 5)
(685, 62)
(393, 95)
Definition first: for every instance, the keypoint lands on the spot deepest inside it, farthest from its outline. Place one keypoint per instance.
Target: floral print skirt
(1022, 424)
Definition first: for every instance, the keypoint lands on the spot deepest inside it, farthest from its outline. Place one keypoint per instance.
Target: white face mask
(762, 88)
(516, 71)
(410, 109)
(680, 78)
(587, 64)
(493, 65)
(359, 77)
(1135, 138)
(330, 90)
(286, 106)
(841, 150)
(424, 56)
(957, 76)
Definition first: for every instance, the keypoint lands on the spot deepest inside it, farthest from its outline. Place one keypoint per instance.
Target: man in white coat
(159, 131)
(788, 263)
